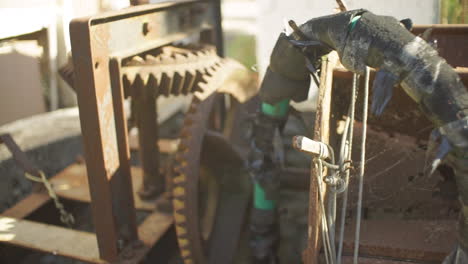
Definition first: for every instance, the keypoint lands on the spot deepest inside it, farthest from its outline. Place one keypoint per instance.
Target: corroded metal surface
(99, 44)
(175, 70)
(201, 148)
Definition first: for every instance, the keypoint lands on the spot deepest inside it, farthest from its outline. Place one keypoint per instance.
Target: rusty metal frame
(99, 44)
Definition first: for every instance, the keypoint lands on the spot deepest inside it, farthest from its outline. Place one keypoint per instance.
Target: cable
(65, 217)
(362, 167)
(329, 256)
(349, 135)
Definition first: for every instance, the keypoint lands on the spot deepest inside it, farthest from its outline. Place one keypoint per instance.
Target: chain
(65, 217)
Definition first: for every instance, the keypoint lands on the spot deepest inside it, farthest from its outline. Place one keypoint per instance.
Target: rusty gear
(195, 216)
(175, 70)
(202, 136)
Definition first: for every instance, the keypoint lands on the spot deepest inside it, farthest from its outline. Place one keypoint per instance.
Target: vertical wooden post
(321, 133)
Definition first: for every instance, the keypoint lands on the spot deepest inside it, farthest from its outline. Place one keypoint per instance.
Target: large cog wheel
(203, 200)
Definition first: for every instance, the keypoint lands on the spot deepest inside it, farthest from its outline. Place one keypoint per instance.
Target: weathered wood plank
(28, 205)
(48, 238)
(321, 133)
(72, 183)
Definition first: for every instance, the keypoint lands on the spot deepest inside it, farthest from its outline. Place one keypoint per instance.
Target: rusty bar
(121, 187)
(18, 155)
(95, 40)
(98, 128)
(146, 120)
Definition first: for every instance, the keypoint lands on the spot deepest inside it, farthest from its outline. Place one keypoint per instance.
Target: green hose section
(260, 202)
(353, 22)
(279, 109)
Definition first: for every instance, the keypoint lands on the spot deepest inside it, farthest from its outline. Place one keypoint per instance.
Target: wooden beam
(321, 133)
(72, 183)
(28, 205)
(48, 238)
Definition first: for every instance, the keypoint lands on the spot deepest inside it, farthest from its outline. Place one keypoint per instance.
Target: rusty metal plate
(72, 183)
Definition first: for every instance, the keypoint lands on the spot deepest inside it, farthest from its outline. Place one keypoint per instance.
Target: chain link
(65, 217)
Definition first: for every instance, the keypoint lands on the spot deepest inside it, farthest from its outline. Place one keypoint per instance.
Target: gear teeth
(191, 56)
(185, 253)
(181, 230)
(205, 52)
(167, 59)
(189, 81)
(145, 78)
(152, 84)
(178, 204)
(179, 218)
(183, 242)
(178, 191)
(199, 79)
(166, 84)
(126, 85)
(136, 61)
(178, 70)
(138, 82)
(180, 179)
(202, 87)
(212, 70)
(179, 57)
(177, 83)
(150, 59)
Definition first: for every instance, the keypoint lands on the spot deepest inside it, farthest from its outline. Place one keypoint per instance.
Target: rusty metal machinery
(210, 187)
(206, 215)
(129, 53)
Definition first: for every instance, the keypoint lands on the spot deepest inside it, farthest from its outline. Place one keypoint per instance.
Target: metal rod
(362, 167)
(146, 119)
(349, 157)
(123, 203)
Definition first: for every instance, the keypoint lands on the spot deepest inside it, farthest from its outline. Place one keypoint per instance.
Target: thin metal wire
(329, 256)
(66, 217)
(349, 135)
(362, 167)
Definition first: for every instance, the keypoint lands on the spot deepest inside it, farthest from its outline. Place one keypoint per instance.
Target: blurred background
(29, 83)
